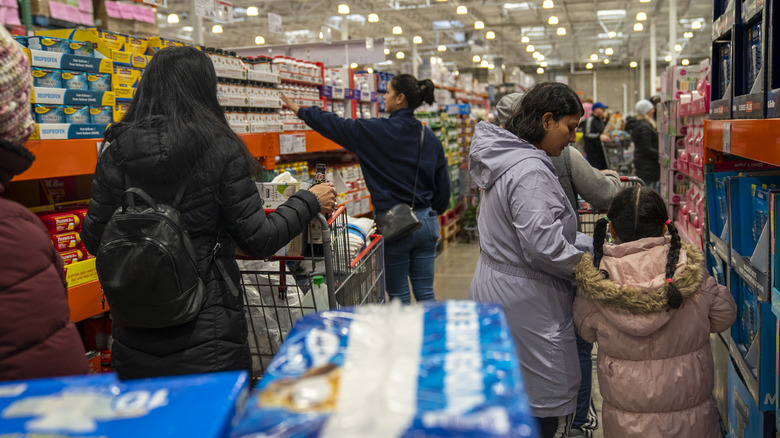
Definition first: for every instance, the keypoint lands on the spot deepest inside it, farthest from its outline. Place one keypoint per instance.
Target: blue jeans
(582, 419)
(412, 257)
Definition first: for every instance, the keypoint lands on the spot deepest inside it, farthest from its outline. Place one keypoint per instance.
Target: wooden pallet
(448, 234)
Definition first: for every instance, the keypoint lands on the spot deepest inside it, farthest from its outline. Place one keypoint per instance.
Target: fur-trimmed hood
(636, 283)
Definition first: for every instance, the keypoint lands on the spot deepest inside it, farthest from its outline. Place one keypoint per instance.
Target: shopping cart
(279, 291)
(588, 216)
(619, 153)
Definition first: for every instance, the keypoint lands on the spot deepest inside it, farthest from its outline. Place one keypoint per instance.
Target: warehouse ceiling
(591, 27)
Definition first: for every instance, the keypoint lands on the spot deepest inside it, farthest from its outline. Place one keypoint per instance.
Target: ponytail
(599, 235)
(416, 92)
(672, 293)
(426, 90)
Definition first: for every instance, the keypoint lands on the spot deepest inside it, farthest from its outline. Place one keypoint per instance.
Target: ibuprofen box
(101, 405)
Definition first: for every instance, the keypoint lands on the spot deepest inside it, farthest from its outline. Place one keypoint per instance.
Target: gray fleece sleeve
(595, 187)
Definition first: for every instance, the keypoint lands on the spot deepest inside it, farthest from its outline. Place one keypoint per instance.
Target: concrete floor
(454, 269)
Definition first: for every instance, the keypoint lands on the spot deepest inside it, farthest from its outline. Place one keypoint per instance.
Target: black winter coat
(219, 202)
(645, 138)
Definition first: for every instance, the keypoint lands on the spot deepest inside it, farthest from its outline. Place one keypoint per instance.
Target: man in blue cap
(593, 135)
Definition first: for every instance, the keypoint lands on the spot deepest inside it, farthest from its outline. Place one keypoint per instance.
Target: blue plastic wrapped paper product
(446, 369)
(203, 405)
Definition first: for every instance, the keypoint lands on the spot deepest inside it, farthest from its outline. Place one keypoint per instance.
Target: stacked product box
(365, 94)
(772, 56)
(64, 227)
(750, 68)
(336, 92)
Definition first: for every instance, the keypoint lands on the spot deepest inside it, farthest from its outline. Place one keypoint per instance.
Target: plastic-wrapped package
(358, 230)
(430, 370)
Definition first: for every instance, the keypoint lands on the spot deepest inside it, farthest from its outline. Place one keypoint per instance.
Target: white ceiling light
(456, 73)
(490, 35)
(553, 20)
(594, 57)
(609, 51)
(644, 1)
(373, 18)
(252, 11)
(536, 55)
(483, 63)
(400, 55)
(539, 70)
(353, 65)
(491, 66)
(633, 64)
(677, 48)
(696, 25)
(543, 64)
(525, 40)
(387, 51)
(479, 25)
(173, 18)
(589, 66)
(442, 48)
(529, 48)
(641, 16)
(638, 27)
(343, 9)
(462, 10)
(548, 4)
(476, 58)
(540, 57)
(259, 40)
(668, 58)
(606, 61)
(612, 34)
(216, 28)
(688, 35)
(370, 70)
(397, 30)
(561, 31)
(685, 62)
(417, 39)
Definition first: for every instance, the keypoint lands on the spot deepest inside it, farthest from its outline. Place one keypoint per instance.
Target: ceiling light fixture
(400, 55)
(688, 35)
(548, 4)
(685, 62)
(370, 70)
(442, 48)
(540, 57)
(476, 58)
(606, 61)
(641, 16)
(484, 63)
(539, 70)
(589, 66)
(353, 65)
(417, 39)
(632, 64)
(479, 25)
(536, 55)
(529, 48)
(609, 51)
(462, 10)
(668, 58)
(373, 18)
(696, 25)
(387, 51)
(561, 31)
(677, 48)
(612, 34)
(491, 66)
(259, 40)
(490, 35)
(397, 30)
(644, 1)
(525, 40)
(343, 9)
(594, 57)
(216, 28)
(553, 20)
(252, 11)
(543, 64)
(638, 27)
(173, 18)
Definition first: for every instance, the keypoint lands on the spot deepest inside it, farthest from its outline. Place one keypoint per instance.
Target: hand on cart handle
(327, 196)
(604, 137)
(294, 107)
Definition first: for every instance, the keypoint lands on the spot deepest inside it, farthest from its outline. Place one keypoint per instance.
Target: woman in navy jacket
(387, 149)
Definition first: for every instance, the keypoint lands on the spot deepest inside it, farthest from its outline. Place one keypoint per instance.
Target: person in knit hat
(37, 337)
(641, 127)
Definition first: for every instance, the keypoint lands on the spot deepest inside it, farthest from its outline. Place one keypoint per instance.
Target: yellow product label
(109, 99)
(112, 40)
(47, 42)
(136, 45)
(40, 73)
(124, 93)
(80, 272)
(125, 78)
(67, 75)
(139, 61)
(36, 134)
(106, 66)
(42, 109)
(71, 109)
(95, 111)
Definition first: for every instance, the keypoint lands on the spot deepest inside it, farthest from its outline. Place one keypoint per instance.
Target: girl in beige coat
(650, 305)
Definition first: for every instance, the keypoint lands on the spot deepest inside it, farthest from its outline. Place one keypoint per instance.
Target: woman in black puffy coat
(176, 133)
(641, 127)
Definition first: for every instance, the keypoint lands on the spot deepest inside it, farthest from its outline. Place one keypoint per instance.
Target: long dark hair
(636, 213)
(180, 84)
(544, 97)
(416, 92)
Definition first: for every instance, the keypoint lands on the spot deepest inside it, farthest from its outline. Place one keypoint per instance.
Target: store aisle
(454, 270)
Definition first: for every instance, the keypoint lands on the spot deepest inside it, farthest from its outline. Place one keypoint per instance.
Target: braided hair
(637, 213)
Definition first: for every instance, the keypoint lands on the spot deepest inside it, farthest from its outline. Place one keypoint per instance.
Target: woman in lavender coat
(530, 245)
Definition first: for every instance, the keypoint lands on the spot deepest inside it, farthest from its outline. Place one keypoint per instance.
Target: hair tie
(669, 280)
(607, 219)
(668, 221)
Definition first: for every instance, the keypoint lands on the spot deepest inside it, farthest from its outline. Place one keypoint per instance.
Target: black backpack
(146, 264)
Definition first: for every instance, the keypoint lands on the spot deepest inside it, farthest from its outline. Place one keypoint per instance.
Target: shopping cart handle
(375, 238)
(634, 179)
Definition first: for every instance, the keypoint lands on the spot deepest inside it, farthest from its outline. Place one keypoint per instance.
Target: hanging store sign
(224, 11)
(205, 8)
(274, 23)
